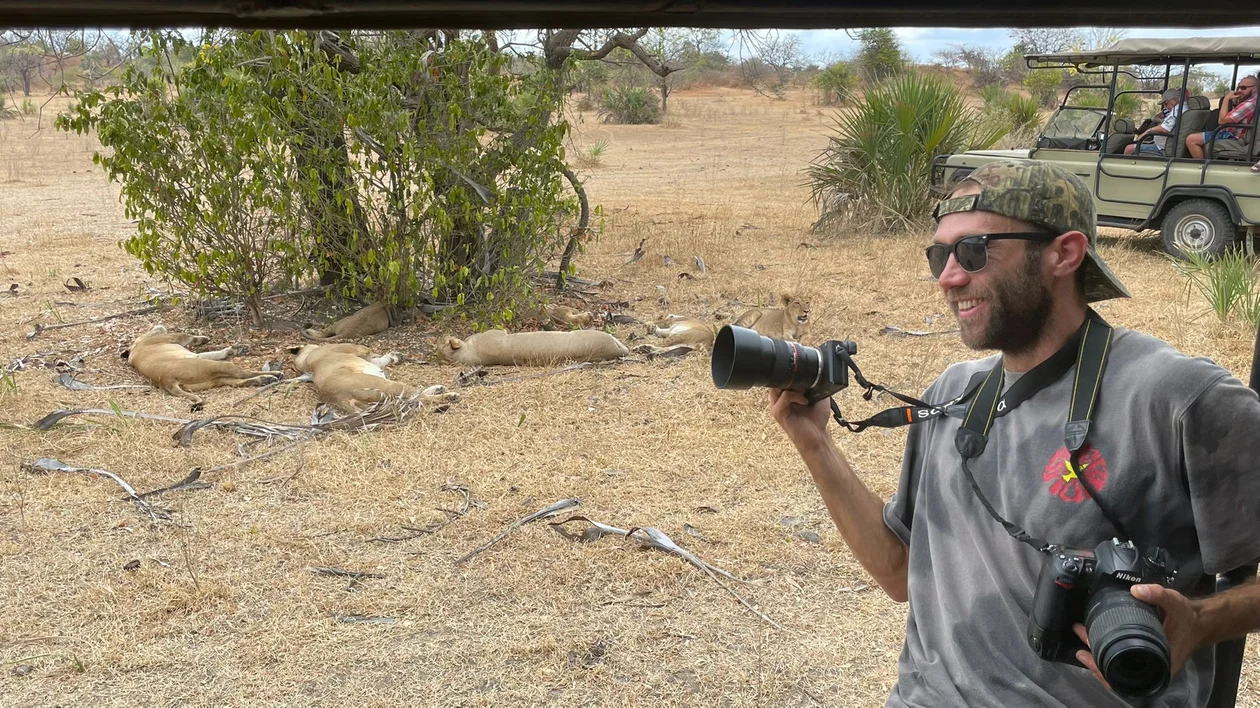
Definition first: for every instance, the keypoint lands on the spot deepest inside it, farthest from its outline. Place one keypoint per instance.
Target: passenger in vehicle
(1173, 106)
(1237, 106)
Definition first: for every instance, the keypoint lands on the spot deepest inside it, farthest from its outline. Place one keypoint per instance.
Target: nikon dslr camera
(743, 358)
(1126, 635)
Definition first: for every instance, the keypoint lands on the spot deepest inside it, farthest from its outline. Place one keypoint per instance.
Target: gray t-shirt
(1173, 447)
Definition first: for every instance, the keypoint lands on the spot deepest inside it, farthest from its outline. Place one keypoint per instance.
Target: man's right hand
(805, 425)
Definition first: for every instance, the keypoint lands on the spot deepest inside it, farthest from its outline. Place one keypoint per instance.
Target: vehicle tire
(1201, 225)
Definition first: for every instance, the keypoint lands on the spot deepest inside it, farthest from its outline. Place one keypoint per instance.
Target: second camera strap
(982, 402)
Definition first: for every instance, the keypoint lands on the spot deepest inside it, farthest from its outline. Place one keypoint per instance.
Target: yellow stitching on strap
(1094, 400)
(971, 409)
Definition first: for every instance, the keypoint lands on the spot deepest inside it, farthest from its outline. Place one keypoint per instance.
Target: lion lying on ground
(679, 329)
(567, 317)
(791, 321)
(163, 358)
(498, 348)
(373, 319)
(349, 379)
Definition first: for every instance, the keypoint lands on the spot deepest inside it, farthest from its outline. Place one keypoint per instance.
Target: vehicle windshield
(1073, 123)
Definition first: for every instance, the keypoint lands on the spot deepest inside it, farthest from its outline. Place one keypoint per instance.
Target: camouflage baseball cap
(1045, 195)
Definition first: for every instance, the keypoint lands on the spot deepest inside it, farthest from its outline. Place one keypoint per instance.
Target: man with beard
(1170, 454)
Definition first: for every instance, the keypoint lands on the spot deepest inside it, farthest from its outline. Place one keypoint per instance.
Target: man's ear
(1069, 252)
(454, 343)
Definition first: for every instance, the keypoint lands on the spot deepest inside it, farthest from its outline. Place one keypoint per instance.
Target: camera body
(1126, 635)
(743, 358)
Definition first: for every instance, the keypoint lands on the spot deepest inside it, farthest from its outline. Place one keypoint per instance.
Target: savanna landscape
(352, 567)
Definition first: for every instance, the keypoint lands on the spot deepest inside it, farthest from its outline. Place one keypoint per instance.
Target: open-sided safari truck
(1198, 205)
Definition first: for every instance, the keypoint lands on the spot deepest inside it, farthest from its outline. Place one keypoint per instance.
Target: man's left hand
(1181, 626)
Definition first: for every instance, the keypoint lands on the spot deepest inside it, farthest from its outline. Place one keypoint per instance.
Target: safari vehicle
(1198, 205)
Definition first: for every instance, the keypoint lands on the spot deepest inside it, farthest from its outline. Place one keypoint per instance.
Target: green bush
(629, 105)
(834, 83)
(6, 111)
(1129, 105)
(28, 107)
(426, 173)
(880, 155)
(1043, 85)
(1025, 113)
(993, 95)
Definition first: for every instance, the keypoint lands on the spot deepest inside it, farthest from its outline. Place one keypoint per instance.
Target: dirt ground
(105, 607)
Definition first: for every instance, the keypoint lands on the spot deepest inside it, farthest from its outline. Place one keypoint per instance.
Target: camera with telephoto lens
(1126, 635)
(743, 358)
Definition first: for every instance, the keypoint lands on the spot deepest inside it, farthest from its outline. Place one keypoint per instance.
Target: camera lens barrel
(1127, 640)
(743, 358)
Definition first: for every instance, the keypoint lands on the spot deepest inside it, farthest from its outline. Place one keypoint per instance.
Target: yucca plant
(1228, 283)
(1025, 113)
(880, 155)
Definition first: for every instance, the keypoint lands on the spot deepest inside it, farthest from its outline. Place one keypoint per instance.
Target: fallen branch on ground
(188, 483)
(649, 537)
(899, 332)
(48, 464)
(246, 461)
(477, 377)
(342, 573)
(543, 513)
(452, 516)
(69, 381)
(56, 416)
(480, 376)
(392, 411)
(62, 325)
(263, 389)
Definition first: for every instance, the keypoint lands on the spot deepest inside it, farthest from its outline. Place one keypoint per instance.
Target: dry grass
(222, 608)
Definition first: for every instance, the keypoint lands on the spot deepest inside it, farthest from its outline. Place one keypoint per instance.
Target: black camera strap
(1089, 348)
(982, 402)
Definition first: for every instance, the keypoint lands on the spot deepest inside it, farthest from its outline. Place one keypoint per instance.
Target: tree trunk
(664, 94)
(584, 219)
(331, 227)
(26, 82)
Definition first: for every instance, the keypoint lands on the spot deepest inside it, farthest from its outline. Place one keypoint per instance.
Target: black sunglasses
(972, 252)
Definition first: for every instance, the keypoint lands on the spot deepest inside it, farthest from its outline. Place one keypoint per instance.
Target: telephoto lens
(1127, 640)
(742, 358)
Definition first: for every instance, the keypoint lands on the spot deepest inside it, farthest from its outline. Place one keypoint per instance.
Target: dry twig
(655, 538)
(543, 513)
(452, 515)
(48, 464)
(391, 411)
(62, 325)
(343, 573)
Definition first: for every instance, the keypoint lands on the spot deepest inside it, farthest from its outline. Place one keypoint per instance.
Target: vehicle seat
(1121, 134)
(1198, 110)
(1230, 150)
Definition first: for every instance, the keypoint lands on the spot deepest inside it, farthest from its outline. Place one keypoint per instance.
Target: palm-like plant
(880, 156)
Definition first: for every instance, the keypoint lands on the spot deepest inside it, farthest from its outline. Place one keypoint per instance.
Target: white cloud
(922, 43)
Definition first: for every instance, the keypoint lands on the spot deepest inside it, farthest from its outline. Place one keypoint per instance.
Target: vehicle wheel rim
(1194, 233)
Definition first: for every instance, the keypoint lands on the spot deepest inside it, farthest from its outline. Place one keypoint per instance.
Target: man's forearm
(859, 516)
(1230, 614)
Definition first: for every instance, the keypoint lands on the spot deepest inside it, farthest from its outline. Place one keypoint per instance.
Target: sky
(924, 42)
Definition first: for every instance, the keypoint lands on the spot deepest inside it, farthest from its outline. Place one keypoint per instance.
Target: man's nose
(953, 276)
